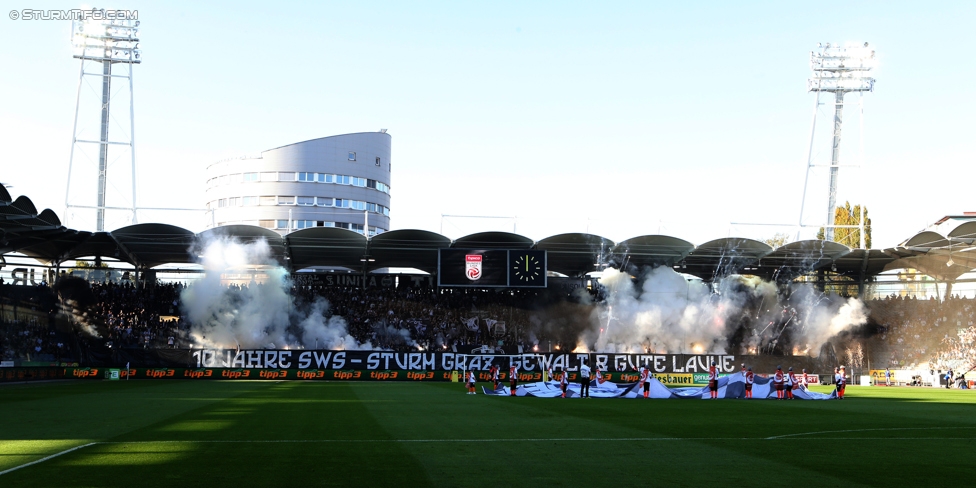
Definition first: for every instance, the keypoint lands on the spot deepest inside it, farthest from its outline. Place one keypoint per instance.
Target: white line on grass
(882, 429)
(52, 456)
(553, 439)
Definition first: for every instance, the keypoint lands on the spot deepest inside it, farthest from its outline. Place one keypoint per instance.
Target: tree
(850, 237)
(779, 239)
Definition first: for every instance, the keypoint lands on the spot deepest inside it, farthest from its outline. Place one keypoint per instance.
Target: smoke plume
(663, 312)
(258, 315)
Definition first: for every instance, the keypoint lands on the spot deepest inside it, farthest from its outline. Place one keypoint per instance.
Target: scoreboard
(502, 268)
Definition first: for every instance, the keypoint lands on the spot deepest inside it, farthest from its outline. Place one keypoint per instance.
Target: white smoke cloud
(668, 313)
(259, 315)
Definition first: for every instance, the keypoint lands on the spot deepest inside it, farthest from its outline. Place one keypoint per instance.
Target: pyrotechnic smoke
(259, 315)
(666, 312)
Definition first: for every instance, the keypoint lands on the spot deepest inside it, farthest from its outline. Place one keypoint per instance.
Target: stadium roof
(41, 235)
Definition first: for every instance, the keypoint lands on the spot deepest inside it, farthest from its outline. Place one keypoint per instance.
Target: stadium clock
(527, 268)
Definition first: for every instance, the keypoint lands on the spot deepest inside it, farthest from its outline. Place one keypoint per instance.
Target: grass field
(237, 433)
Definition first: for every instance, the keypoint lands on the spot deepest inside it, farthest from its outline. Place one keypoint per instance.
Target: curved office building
(329, 182)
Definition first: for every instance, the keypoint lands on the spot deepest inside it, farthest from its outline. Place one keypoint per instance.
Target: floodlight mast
(107, 41)
(838, 69)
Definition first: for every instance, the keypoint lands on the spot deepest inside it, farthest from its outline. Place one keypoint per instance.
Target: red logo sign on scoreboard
(472, 266)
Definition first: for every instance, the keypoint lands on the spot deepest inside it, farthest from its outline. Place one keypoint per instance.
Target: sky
(633, 118)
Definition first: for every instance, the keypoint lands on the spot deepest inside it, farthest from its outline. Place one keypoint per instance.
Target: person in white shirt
(584, 381)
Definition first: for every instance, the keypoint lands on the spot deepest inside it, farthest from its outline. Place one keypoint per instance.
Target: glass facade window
(306, 176)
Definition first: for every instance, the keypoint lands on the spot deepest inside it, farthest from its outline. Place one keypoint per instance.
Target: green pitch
(224, 433)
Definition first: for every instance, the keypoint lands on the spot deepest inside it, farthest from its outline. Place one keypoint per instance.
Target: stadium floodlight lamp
(842, 68)
(101, 39)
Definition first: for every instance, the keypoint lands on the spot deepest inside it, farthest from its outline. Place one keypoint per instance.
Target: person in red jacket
(564, 382)
(805, 380)
(778, 380)
(750, 379)
(713, 380)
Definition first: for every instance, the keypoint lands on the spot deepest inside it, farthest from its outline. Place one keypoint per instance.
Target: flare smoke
(257, 315)
(666, 313)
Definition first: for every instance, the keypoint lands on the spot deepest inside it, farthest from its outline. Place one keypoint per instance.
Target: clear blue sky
(623, 120)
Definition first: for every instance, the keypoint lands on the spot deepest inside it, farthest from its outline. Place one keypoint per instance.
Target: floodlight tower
(105, 39)
(837, 69)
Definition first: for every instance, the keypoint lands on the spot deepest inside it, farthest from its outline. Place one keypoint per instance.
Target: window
(306, 176)
(222, 202)
(286, 176)
(234, 202)
(250, 177)
(286, 200)
(248, 201)
(356, 181)
(281, 224)
(269, 200)
(377, 160)
(323, 201)
(222, 180)
(352, 156)
(378, 185)
(320, 177)
(269, 176)
(267, 224)
(236, 178)
(306, 201)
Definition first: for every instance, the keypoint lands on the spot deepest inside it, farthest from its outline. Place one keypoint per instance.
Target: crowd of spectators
(910, 332)
(130, 316)
(434, 319)
(31, 340)
(915, 333)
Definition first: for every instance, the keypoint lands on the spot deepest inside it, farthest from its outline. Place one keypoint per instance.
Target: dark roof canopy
(41, 235)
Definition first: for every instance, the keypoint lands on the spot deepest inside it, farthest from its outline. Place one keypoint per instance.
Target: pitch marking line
(884, 429)
(52, 456)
